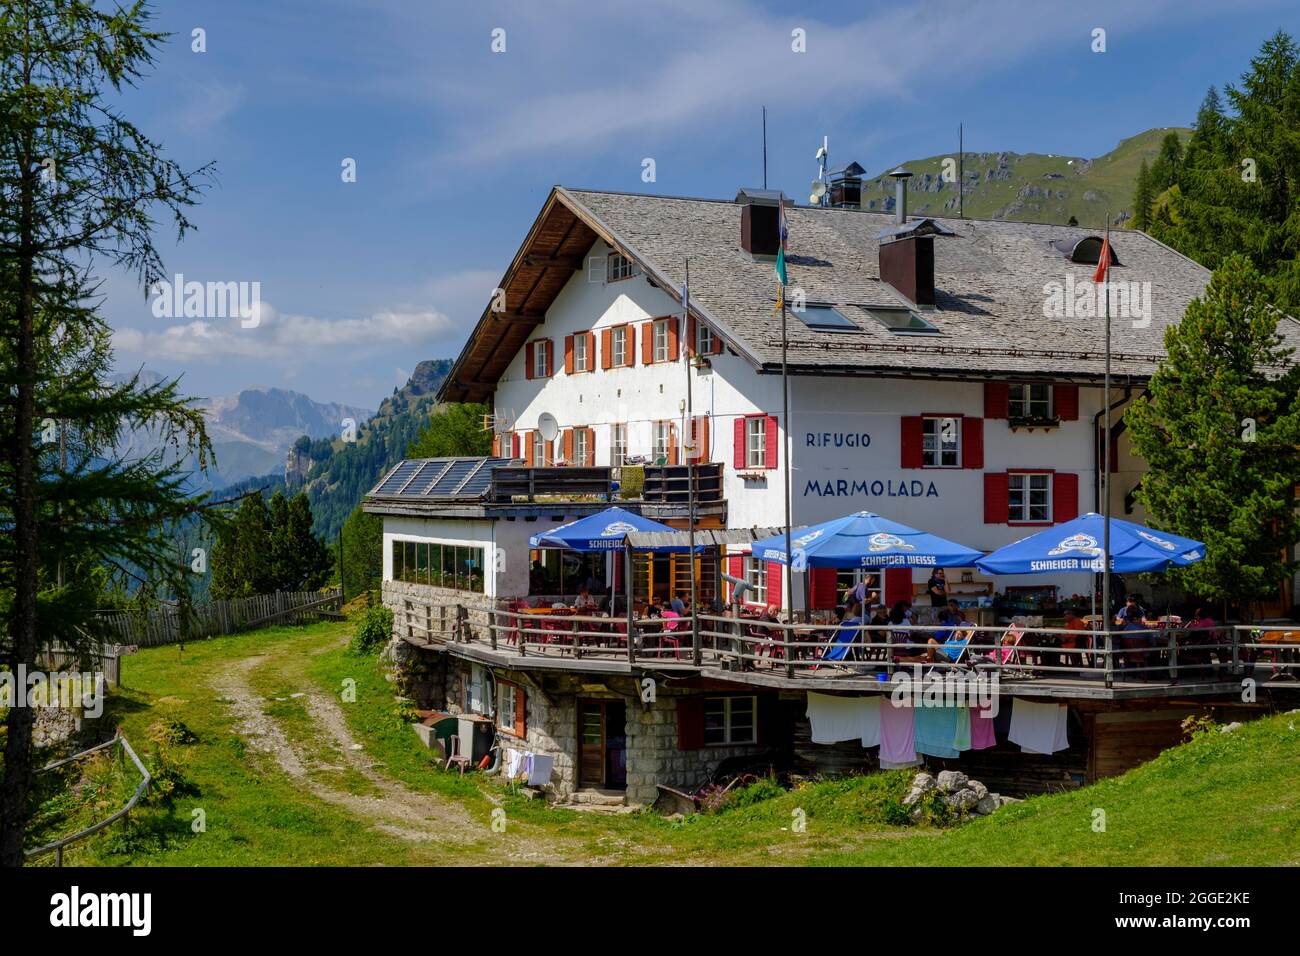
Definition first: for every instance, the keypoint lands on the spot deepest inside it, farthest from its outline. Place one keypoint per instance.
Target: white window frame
(703, 339)
(581, 355)
(726, 708)
(540, 449)
(619, 267)
(1022, 406)
(659, 340)
(581, 453)
(1022, 478)
(541, 357)
(618, 346)
(756, 441)
(479, 690)
(506, 705)
(662, 438)
(931, 432)
(755, 573)
(617, 445)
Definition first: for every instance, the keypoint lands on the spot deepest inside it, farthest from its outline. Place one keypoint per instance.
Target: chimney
(908, 265)
(760, 221)
(901, 176)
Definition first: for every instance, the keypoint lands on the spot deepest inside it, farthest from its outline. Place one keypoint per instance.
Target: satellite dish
(548, 426)
(818, 189)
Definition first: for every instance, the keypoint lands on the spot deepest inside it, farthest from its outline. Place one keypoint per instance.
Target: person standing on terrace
(938, 588)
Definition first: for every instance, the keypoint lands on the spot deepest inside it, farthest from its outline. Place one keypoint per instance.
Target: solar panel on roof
(440, 478)
(398, 477)
(427, 477)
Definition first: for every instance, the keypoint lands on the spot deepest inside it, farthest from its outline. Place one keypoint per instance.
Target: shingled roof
(989, 290)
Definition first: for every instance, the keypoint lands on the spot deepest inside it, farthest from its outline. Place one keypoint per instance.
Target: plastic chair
(455, 756)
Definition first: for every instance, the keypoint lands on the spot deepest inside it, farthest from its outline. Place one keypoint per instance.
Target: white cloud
(280, 335)
(208, 104)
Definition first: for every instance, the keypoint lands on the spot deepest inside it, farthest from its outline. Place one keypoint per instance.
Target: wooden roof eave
(657, 275)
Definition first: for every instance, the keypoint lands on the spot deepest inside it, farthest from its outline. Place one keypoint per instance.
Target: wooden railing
(672, 484)
(510, 482)
(797, 650)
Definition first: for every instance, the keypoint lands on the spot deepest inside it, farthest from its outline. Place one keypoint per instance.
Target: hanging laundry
(897, 736)
(936, 729)
(539, 769)
(961, 739)
(835, 719)
(1038, 728)
(982, 736)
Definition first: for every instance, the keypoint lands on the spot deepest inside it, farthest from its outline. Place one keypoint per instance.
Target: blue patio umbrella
(864, 540)
(603, 531)
(1076, 546)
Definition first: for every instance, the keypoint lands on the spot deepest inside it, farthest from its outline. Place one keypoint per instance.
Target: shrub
(373, 630)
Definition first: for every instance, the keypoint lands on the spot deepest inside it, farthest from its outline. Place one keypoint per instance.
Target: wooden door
(602, 744)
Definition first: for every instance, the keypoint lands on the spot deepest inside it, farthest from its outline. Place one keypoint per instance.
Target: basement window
(825, 318)
(901, 321)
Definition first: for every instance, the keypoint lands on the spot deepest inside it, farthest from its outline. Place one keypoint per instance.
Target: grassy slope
(1223, 799)
(1111, 178)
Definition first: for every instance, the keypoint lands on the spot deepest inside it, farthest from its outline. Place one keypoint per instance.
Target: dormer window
(619, 266)
(1085, 251)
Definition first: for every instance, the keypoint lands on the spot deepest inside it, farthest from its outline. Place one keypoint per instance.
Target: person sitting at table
(585, 603)
(955, 613)
(1073, 641)
(1198, 651)
(678, 603)
(1132, 617)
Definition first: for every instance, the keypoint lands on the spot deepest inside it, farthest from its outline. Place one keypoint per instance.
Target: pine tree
(1142, 198)
(241, 559)
(455, 429)
(1218, 429)
(363, 551)
(80, 185)
(311, 562)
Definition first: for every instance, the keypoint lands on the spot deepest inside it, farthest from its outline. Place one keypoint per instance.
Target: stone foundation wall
(408, 603)
(552, 728)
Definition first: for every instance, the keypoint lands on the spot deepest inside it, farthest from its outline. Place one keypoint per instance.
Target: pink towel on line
(982, 736)
(897, 736)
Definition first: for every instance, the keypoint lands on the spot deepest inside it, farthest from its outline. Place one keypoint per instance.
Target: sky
(456, 144)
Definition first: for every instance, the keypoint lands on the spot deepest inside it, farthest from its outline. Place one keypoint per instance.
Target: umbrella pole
(1105, 474)
(627, 578)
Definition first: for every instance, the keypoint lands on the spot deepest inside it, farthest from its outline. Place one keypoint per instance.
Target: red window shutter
(672, 444)
(740, 444)
(898, 585)
(690, 723)
(591, 351)
(996, 492)
(629, 339)
(550, 357)
(972, 443)
(1065, 496)
(773, 584)
(591, 447)
(530, 359)
(1067, 402)
(647, 342)
(691, 335)
(912, 429)
(672, 340)
(699, 438)
(514, 444)
(566, 445)
(528, 449)
(997, 400)
(770, 434)
(521, 712)
(736, 567)
(568, 355)
(606, 347)
(825, 588)
(717, 343)
(496, 446)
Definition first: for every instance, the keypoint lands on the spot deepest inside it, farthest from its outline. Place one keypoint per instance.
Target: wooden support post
(785, 637)
(1173, 656)
(628, 577)
(1109, 645)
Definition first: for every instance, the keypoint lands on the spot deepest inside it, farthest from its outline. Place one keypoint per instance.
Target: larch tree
(80, 187)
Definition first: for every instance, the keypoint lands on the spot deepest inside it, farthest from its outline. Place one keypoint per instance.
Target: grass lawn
(284, 771)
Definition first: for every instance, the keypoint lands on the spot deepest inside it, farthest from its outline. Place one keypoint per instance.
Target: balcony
(663, 484)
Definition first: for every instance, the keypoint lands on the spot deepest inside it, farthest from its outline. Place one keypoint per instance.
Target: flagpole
(1104, 478)
(694, 438)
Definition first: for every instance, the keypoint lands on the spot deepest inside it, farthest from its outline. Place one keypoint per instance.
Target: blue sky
(457, 146)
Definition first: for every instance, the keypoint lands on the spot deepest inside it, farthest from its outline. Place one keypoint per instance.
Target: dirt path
(394, 809)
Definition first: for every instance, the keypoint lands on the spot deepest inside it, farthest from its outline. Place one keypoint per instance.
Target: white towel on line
(835, 719)
(539, 770)
(1039, 728)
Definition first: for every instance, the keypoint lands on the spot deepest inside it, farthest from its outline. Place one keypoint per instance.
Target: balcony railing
(664, 484)
(744, 645)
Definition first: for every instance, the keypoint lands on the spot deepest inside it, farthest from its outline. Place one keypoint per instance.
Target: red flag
(1103, 260)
